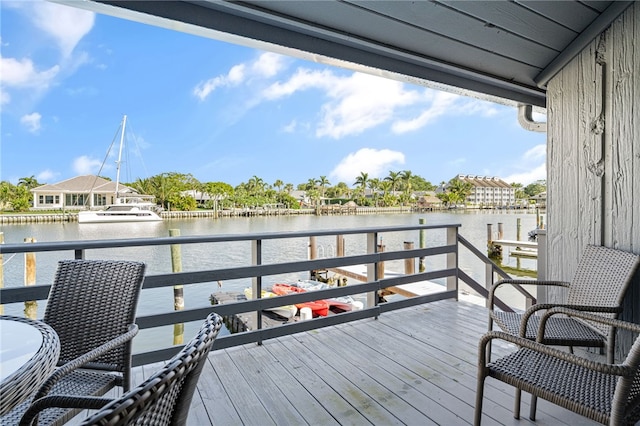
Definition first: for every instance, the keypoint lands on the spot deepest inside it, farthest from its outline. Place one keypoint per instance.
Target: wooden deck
(415, 366)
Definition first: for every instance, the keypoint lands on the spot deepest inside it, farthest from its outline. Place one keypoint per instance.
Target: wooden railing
(256, 271)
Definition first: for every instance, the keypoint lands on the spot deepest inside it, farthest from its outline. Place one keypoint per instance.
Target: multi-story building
(489, 191)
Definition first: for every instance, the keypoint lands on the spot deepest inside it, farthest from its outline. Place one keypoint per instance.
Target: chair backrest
(90, 303)
(602, 277)
(165, 397)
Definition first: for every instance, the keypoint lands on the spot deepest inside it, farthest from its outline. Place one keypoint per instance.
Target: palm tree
(394, 178)
(278, 184)
(323, 182)
(362, 180)
(406, 176)
(256, 185)
(288, 188)
(29, 182)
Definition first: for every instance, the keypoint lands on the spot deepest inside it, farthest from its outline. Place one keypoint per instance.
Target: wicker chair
(607, 393)
(599, 284)
(165, 397)
(91, 306)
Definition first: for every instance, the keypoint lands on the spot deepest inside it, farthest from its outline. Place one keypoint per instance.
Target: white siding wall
(593, 153)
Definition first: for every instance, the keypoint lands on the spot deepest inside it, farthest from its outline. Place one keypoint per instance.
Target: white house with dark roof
(80, 192)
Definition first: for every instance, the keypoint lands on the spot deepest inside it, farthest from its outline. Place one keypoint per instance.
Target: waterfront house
(80, 192)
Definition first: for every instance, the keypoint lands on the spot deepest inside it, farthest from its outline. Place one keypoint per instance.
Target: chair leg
(479, 395)
(532, 409)
(488, 355)
(516, 406)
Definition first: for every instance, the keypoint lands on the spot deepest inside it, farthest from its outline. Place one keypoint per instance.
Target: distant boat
(127, 207)
(286, 311)
(318, 307)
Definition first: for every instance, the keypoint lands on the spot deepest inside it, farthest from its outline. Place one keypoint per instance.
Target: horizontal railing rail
(256, 271)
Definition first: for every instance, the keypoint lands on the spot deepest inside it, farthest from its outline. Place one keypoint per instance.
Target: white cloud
(356, 103)
(31, 122)
(67, 25)
(444, 103)
(361, 102)
(534, 160)
(46, 176)
(265, 66)
(537, 173)
(84, 165)
(536, 153)
(374, 162)
(22, 73)
(5, 98)
(268, 65)
(291, 127)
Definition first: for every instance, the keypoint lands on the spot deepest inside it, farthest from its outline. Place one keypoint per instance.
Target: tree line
(396, 189)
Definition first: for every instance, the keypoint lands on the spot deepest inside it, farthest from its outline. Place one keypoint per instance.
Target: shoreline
(35, 217)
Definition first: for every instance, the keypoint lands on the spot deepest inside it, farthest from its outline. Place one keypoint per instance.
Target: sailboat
(127, 207)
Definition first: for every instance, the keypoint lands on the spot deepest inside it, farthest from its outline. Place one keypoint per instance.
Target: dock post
(500, 230)
(494, 252)
(340, 245)
(423, 232)
(178, 290)
(313, 254)
(518, 228)
(30, 306)
(409, 264)
(372, 296)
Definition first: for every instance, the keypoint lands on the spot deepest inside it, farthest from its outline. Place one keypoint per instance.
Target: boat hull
(104, 217)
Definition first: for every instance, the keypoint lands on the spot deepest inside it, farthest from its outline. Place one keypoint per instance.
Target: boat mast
(124, 123)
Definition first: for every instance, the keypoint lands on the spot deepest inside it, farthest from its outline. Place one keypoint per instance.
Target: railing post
(256, 285)
(542, 264)
(423, 244)
(372, 268)
(452, 259)
(488, 279)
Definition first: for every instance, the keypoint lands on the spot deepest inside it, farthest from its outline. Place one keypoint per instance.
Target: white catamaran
(127, 207)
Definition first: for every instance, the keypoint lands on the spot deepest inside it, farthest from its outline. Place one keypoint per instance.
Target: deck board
(416, 366)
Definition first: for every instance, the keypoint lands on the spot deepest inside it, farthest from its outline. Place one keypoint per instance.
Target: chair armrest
(61, 371)
(500, 283)
(546, 306)
(29, 418)
(612, 369)
(616, 323)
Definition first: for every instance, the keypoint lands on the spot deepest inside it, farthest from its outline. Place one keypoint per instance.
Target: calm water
(200, 256)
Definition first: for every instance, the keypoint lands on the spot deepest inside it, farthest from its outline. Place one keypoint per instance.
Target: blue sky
(225, 112)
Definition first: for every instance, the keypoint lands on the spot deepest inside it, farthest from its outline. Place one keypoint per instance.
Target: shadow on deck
(414, 366)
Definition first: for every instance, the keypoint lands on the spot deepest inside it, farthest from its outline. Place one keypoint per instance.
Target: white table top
(29, 352)
(19, 342)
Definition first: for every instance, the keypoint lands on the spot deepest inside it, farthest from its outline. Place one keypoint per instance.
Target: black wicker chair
(91, 306)
(607, 393)
(599, 285)
(165, 397)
